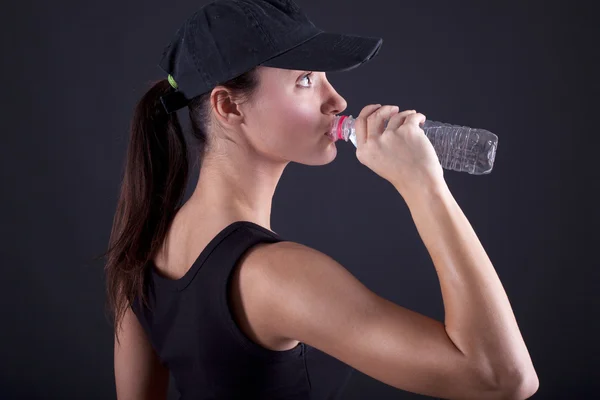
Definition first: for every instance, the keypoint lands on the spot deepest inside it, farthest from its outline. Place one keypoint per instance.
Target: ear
(226, 111)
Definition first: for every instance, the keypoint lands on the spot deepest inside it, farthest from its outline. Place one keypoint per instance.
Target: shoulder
(282, 260)
(292, 282)
(267, 253)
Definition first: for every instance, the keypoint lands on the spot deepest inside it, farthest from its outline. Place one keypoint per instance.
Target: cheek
(287, 123)
(297, 119)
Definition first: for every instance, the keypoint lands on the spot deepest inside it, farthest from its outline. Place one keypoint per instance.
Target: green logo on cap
(172, 82)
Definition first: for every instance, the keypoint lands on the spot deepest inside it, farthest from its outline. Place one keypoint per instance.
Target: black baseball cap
(226, 38)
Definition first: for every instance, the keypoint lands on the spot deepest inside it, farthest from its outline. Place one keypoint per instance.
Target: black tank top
(191, 328)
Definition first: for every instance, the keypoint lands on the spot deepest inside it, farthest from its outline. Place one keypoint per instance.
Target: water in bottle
(458, 148)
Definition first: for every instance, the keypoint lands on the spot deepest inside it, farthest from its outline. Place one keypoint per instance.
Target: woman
(208, 292)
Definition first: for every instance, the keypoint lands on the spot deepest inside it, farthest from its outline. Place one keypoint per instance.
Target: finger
(380, 118)
(415, 119)
(361, 123)
(397, 120)
(376, 121)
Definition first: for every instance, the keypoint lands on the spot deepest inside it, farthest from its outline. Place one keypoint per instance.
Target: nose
(335, 103)
(342, 104)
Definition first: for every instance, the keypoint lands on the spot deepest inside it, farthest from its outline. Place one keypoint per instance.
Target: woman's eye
(307, 76)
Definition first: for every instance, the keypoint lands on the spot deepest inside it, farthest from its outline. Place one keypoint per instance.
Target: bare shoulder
(305, 295)
(299, 280)
(291, 265)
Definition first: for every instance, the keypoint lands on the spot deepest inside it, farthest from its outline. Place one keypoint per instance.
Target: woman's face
(290, 114)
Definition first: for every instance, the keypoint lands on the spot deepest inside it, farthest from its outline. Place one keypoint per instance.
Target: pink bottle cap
(340, 124)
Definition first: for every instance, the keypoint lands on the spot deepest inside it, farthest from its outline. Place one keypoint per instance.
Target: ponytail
(153, 186)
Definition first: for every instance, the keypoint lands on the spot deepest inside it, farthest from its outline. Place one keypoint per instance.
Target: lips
(329, 131)
(330, 136)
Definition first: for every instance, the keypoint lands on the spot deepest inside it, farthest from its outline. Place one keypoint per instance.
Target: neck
(236, 188)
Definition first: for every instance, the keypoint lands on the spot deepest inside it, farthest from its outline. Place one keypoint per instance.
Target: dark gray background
(73, 71)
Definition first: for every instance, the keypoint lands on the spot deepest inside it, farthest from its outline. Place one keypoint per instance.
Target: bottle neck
(339, 134)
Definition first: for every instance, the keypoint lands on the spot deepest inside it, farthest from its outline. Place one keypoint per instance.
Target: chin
(323, 157)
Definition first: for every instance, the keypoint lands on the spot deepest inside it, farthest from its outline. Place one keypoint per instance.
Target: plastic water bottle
(458, 148)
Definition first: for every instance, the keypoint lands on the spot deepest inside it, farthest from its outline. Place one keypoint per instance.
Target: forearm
(478, 316)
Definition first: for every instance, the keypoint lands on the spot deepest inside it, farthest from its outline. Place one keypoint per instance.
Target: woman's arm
(478, 316)
(139, 375)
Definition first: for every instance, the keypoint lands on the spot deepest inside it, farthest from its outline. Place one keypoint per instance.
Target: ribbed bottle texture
(459, 148)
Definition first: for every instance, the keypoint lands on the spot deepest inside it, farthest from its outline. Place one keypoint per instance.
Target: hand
(400, 152)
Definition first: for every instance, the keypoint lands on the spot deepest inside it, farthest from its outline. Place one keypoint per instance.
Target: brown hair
(153, 186)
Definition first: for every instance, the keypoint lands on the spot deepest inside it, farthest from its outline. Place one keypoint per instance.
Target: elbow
(528, 387)
(523, 388)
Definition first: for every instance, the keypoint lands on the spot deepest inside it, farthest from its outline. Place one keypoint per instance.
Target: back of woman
(205, 291)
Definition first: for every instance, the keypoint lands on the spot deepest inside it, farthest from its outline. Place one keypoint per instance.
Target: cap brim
(328, 52)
